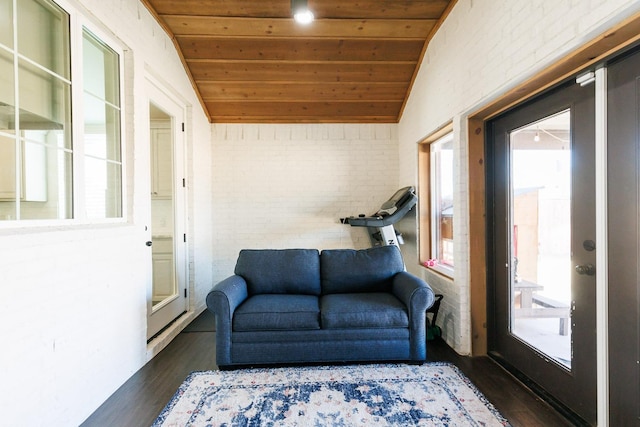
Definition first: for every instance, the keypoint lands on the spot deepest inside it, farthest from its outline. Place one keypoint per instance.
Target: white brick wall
(73, 305)
(483, 49)
(284, 186)
(72, 322)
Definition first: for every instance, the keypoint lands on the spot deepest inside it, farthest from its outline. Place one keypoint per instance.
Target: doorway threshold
(164, 337)
(539, 391)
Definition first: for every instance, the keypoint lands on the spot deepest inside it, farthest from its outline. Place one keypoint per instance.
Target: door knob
(149, 243)
(587, 269)
(589, 245)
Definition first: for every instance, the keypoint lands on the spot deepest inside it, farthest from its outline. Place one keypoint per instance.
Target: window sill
(441, 270)
(26, 227)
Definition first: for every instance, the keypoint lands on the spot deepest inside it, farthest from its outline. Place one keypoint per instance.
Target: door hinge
(182, 126)
(184, 183)
(185, 292)
(185, 237)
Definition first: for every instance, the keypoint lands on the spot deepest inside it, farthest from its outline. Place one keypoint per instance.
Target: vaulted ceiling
(251, 62)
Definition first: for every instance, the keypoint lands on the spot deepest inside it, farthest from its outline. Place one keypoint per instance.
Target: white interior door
(167, 296)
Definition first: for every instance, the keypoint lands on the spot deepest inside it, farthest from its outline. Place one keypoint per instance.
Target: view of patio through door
(541, 235)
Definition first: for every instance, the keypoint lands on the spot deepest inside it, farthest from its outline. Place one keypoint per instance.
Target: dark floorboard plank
(141, 399)
(516, 402)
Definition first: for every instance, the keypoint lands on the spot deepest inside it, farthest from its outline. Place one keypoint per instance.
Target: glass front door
(540, 211)
(541, 163)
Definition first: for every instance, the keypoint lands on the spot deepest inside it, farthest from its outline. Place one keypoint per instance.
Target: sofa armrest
(222, 301)
(414, 292)
(418, 296)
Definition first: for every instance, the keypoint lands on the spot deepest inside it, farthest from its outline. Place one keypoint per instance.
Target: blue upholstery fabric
(366, 270)
(222, 302)
(418, 297)
(363, 310)
(322, 335)
(369, 308)
(272, 312)
(322, 351)
(323, 345)
(280, 271)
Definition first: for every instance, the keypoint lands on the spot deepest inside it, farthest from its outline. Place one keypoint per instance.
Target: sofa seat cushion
(274, 312)
(363, 310)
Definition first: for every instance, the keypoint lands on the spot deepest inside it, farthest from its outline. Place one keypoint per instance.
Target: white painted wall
(483, 49)
(73, 305)
(286, 186)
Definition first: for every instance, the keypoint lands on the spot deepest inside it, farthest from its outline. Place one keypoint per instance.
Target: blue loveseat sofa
(304, 306)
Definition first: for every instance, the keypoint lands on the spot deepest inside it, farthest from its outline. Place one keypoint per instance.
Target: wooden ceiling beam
(304, 119)
(296, 91)
(374, 71)
(182, 25)
(378, 9)
(302, 108)
(300, 120)
(358, 9)
(299, 49)
(248, 8)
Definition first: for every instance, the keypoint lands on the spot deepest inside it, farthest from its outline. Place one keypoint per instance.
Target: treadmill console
(391, 211)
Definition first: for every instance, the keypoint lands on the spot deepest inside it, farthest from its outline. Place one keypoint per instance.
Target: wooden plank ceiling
(251, 63)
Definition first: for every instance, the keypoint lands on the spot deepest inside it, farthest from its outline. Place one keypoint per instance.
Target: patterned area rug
(434, 394)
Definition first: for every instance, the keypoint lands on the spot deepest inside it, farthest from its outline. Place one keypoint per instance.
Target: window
(436, 207)
(60, 156)
(442, 200)
(103, 165)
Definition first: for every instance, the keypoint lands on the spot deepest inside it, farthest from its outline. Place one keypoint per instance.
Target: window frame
(427, 217)
(84, 25)
(78, 24)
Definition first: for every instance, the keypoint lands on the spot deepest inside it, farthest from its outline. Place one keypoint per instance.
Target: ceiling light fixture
(301, 12)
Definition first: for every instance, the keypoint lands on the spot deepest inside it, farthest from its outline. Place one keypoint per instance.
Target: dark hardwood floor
(139, 401)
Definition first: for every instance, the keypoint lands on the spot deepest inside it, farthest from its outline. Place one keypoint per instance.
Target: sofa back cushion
(280, 271)
(365, 270)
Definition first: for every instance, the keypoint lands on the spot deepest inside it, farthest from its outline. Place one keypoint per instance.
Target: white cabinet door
(164, 283)
(7, 168)
(33, 186)
(163, 280)
(161, 164)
